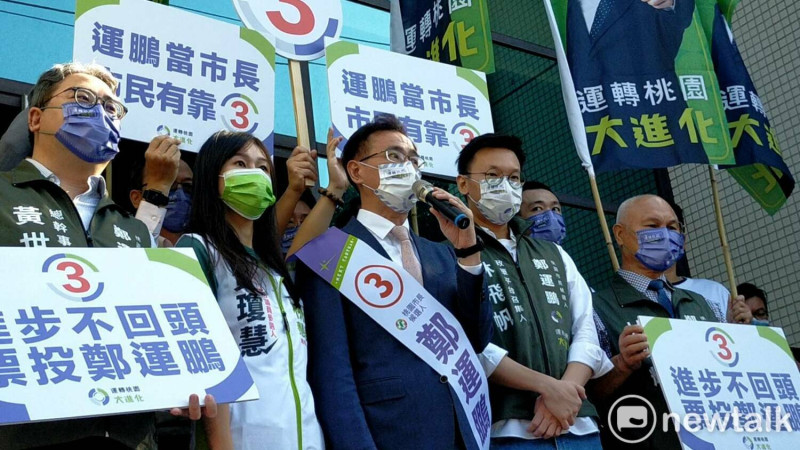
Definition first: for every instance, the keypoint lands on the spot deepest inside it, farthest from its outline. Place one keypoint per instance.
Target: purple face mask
(179, 209)
(659, 248)
(89, 133)
(547, 225)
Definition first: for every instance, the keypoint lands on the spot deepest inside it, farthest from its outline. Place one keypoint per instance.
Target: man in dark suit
(370, 390)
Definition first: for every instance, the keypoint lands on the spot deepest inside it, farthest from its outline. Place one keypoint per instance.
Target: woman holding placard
(236, 239)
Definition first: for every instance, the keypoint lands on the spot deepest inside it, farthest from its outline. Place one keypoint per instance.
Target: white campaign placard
(181, 74)
(732, 386)
(299, 27)
(95, 331)
(442, 106)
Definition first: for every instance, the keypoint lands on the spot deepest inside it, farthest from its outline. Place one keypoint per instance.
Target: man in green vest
(650, 239)
(58, 198)
(545, 344)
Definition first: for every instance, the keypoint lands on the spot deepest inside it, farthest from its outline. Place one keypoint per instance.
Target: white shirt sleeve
(152, 216)
(490, 358)
(474, 270)
(585, 347)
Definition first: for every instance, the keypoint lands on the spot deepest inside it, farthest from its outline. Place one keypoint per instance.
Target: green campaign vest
(35, 212)
(532, 315)
(621, 304)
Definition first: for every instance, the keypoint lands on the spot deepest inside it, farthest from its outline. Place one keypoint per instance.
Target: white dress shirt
(381, 228)
(715, 294)
(584, 347)
(86, 203)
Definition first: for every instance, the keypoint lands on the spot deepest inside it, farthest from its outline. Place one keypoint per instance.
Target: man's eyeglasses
(87, 99)
(494, 179)
(398, 157)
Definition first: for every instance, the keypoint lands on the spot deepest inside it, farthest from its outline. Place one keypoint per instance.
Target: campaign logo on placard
(379, 286)
(462, 133)
(721, 343)
(241, 108)
(99, 396)
(298, 26)
(74, 278)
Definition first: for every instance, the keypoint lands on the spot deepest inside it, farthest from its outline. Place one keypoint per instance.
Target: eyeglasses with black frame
(398, 157)
(494, 178)
(186, 186)
(86, 99)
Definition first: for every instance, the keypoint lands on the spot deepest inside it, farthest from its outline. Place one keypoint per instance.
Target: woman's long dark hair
(208, 215)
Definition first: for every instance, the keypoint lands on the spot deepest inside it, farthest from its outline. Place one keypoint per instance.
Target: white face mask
(396, 188)
(500, 203)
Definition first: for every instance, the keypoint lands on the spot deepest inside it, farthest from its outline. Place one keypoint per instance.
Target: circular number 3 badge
(73, 277)
(379, 286)
(298, 26)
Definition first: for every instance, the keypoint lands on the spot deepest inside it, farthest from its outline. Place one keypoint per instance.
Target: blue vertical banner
(652, 88)
(449, 31)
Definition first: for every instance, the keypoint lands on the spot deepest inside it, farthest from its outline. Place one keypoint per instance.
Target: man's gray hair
(622, 211)
(43, 90)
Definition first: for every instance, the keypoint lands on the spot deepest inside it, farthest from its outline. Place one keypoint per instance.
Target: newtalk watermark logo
(632, 419)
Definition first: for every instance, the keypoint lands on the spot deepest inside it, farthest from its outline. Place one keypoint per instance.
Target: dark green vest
(532, 315)
(620, 305)
(34, 212)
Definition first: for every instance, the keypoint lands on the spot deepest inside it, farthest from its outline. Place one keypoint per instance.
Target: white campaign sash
(401, 305)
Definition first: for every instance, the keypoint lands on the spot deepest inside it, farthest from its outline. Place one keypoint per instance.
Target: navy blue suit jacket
(372, 392)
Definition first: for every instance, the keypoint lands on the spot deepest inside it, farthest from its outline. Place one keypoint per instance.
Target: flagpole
(598, 204)
(723, 237)
(300, 115)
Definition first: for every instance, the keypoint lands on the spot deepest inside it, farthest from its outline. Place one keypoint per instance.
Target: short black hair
(751, 290)
(529, 185)
(489, 140)
(382, 122)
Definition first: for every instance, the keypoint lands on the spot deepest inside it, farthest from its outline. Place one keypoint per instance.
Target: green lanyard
(277, 289)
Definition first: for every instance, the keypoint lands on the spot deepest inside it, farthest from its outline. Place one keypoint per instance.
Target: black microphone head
(421, 189)
(462, 221)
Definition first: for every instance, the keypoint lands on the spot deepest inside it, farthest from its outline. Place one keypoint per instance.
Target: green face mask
(248, 192)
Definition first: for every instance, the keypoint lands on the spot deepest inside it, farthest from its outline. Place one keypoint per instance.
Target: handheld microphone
(424, 192)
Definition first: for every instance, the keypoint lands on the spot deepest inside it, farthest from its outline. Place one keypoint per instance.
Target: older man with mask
(58, 198)
(649, 236)
(545, 344)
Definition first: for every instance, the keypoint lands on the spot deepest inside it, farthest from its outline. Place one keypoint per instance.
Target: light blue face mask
(759, 322)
